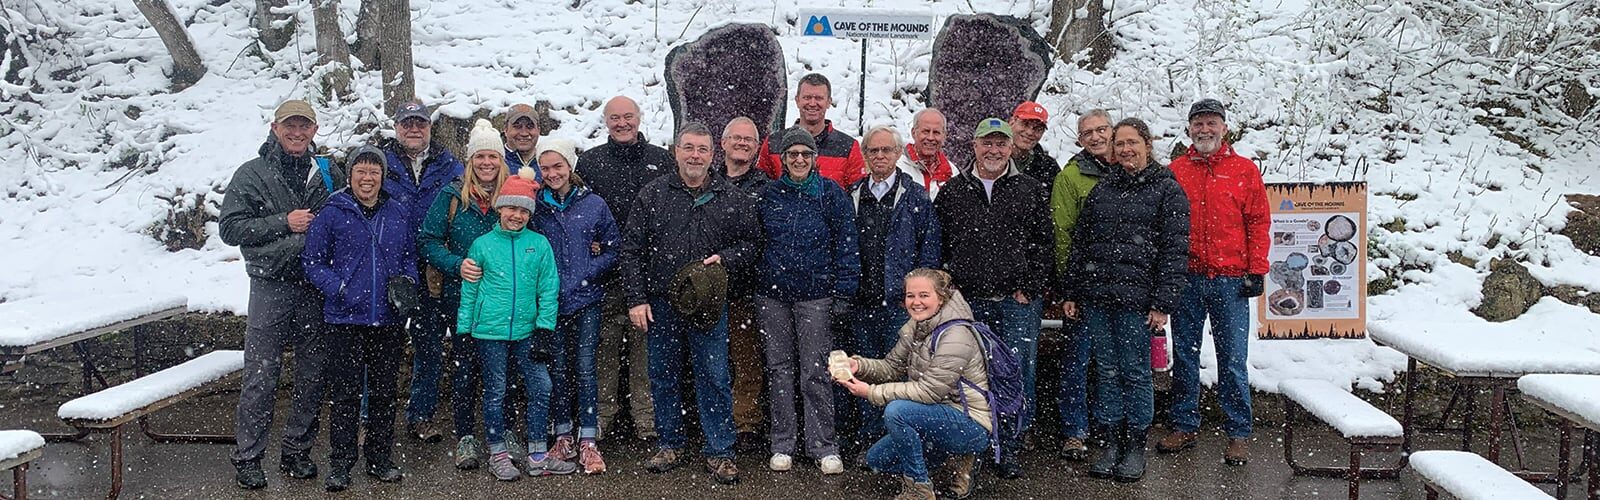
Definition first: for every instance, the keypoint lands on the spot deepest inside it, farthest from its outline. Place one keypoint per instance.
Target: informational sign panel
(1317, 285)
(867, 23)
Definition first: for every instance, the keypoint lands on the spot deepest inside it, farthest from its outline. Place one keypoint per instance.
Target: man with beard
(838, 155)
(1071, 188)
(1029, 122)
(739, 143)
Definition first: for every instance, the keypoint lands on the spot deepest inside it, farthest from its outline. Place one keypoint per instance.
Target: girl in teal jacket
(511, 312)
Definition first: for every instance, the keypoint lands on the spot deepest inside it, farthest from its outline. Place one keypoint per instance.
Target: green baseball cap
(992, 126)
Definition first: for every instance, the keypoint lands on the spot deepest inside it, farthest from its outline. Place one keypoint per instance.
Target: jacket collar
(1091, 165)
(1216, 157)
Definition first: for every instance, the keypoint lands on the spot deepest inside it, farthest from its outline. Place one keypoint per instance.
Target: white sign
(867, 23)
(1314, 266)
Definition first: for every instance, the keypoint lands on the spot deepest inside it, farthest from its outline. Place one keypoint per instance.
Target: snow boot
(1130, 468)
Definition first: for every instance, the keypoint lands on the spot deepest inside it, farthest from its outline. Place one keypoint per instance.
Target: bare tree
(1078, 25)
(187, 67)
(333, 54)
(369, 29)
(274, 29)
(394, 53)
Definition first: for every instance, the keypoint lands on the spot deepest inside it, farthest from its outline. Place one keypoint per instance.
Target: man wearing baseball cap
(522, 140)
(997, 243)
(267, 209)
(1028, 123)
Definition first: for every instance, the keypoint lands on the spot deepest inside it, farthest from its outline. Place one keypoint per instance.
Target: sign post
(863, 24)
(1317, 283)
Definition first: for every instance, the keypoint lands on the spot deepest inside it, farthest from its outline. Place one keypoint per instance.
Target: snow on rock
(140, 392)
(1350, 415)
(16, 442)
(1578, 394)
(43, 318)
(1467, 476)
(1552, 337)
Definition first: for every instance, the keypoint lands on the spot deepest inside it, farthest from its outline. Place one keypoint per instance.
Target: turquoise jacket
(518, 291)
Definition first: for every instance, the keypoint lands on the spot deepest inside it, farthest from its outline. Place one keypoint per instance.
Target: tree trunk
(394, 49)
(333, 54)
(1073, 33)
(187, 67)
(368, 31)
(275, 30)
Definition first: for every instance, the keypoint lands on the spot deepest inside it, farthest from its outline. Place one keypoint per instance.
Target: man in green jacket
(1067, 195)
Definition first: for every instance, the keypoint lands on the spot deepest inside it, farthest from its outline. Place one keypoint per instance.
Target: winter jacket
(1067, 194)
(255, 210)
(519, 289)
(913, 239)
(439, 169)
(1131, 243)
(930, 181)
(993, 249)
(1228, 214)
(1039, 165)
(444, 240)
(911, 373)
(672, 225)
(617, 171)
(743, 283)
(809, 234)
(350, 258)
(572, 225)
(515, 163)
(838, 156)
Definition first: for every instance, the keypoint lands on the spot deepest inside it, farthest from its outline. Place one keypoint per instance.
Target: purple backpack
(1005, 394)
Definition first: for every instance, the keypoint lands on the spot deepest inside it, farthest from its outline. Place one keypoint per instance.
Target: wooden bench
(1575, 399)
(17, 449)
(110, 409)
(1363, 426)
(1467, 476)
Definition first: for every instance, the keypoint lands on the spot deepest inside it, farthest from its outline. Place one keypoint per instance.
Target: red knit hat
(520, 190)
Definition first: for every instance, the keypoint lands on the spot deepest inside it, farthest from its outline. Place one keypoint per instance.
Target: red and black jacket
(838, 157)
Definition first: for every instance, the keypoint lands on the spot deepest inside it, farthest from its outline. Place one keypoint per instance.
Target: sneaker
(1176, 441)
(550, 466)
(831, 465)
(250, 476)
(665, 459)
(1238, 452)
(563, 449)
(1074, 449)
(385, 472)
(780, 462)
(723, 470)
(589, 457)
(467, 452)
(501, 467)
(298, 466)
(424, 431)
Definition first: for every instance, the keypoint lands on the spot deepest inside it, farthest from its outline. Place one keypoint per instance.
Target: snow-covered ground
(71, 222)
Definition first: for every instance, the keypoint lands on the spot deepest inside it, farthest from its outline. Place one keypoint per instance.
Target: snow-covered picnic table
(38, 324)
(17, 449)
(1576, 399)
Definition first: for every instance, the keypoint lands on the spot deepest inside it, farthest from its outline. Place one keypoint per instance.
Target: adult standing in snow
(616, 171)
(270, 204)
(361, 254)
(740, 140)
(684, 231)
(994, 223)
(1124, 277)
(1071, 187)
(924, 160)
(522, 139)
(1227, 258)
(1029, 122)
(419, 169)
(838, 154)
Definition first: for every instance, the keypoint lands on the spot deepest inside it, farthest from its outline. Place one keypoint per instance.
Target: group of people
(603, 279)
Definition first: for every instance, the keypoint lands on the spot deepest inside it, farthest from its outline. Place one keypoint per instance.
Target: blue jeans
(1074, 395)
(877, 329)
(495, 355)
(1229, 313)
(920, 434)
(668, 338)
(574, 373)
(1123, 390)
(427, 355)
(1018, 325)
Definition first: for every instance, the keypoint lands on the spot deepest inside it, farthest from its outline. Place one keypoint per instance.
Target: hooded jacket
(617, 171)
(350, 258)
(1227, 212)
(994, 248)
(838, 156)
(743, 283)
(909, 372)
(439, 169)
(671, 225)
(256, 206)
(930, 181)
(1067, 194)
(519, 289)
(571, 225)
(1131, 243)
(444, 240)
(913, 237)
(810, 241)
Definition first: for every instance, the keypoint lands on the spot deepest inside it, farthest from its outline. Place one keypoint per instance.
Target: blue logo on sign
(1286, 206)
(819, 26)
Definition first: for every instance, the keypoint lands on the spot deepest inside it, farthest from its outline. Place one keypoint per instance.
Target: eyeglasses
(689, 148)
(1094, 131)
(884, 151)
(741, 138)
(413, 123)
(799, 155)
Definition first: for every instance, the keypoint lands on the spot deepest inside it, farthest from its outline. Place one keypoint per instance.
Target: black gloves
(403, 295)
(542, 345)
(1251, 285)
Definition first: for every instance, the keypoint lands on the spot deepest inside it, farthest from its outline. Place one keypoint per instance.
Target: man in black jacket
(740, 139)
(997, 239)
(616, 171)
(267, 209)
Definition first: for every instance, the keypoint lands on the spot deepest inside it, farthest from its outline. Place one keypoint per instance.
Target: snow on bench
(151, 389)
(1467, 476)
(1348, 414)
(1577, 394)
(1545, 340)
(14, 444)
(36, 320)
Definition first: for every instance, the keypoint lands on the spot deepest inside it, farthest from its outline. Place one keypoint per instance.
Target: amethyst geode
(731, 71)
(983, 66)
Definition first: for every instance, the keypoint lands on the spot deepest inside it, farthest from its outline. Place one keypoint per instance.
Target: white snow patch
(1467, 476)
(14, 443)
(1350, 415)
(1579, 394)
(135, 394)
(39, 319)
(1552, 337)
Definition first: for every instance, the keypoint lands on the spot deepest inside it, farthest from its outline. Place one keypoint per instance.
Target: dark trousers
(379, 350)
(284, 316)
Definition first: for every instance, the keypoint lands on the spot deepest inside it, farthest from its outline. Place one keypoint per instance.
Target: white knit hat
(484, 137)
(561, 146)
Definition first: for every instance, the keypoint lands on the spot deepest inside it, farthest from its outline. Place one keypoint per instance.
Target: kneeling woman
(927, 420)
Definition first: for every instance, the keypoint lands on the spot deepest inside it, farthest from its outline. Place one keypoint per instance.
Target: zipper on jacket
(512, 325)
(372, 312)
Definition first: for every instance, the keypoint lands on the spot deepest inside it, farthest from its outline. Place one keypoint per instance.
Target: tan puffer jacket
(910, 373)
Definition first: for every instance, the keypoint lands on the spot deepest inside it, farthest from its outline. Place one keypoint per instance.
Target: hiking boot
(385, 472)
(589, 457)
(910, 489)
(1107, 463)
(550, 466)
(1073, 449)
(957, 476)
(424, 431)
(1176, 441)
(563, 449)
(665, 459)
(338, 477)
(298, 466)
(780, 462)
(467, 453)
(1008, 468)
(1238, 452)
(1130, 468)
(250, 476)
(831, 465)
(723, 470)
(501, 467)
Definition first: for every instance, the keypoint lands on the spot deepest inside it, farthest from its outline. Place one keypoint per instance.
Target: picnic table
(1489, 356)
(1576, 399)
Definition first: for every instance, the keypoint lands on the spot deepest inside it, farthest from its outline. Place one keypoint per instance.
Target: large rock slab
(1583, 224)
(983, 66)
(1508, 291)
(731, 71)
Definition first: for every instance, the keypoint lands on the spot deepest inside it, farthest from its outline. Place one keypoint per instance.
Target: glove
(403, 295)
(1251, 285)
(542, 345)
(840, 309)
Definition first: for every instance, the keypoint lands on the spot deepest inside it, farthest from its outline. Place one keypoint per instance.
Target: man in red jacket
(838, 155)
(1228, 223)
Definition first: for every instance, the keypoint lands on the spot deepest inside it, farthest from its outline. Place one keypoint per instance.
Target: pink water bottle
(1160, 351)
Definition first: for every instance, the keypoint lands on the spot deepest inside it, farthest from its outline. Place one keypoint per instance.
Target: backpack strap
(983, 348)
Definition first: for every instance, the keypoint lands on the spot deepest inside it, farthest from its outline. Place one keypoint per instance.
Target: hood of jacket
(955, 308)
